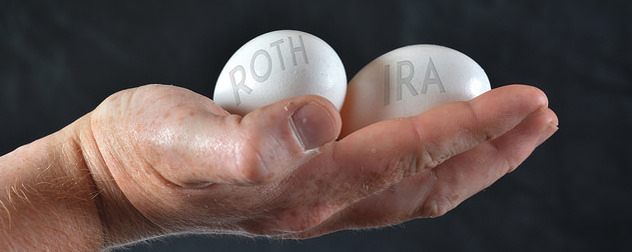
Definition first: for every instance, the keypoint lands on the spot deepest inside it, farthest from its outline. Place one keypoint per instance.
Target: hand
(166, 160)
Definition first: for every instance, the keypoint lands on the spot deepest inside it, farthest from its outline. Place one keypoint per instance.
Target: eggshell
(278, 65)
(408, 81)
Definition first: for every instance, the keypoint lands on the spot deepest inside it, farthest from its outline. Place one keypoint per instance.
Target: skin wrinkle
(435, 160)
(402, 166)
(498, 152)
(427, 159)
(240, 161)
(440, 206)
(487, 135)
(100, 201)
(161, 182)
(255, 171)
(152, 162)
(422, 210)
(138, 161)
(419, 199)
(96, 192)
(420, 162)
(438, 203)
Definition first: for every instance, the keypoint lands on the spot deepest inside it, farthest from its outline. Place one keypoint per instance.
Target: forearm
(47, 197)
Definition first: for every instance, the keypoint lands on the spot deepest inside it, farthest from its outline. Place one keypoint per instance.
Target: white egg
(278, 65)
(408, 81)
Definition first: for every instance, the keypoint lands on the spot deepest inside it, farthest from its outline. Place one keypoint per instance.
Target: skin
(160, 160)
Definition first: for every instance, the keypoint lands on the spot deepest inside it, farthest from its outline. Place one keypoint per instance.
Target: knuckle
(254, 158)
(408, 165)
(250, 167)
(437, 206)
(431, 159)
(430, 154)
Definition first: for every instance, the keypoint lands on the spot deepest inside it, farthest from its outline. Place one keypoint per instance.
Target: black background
(60, 59)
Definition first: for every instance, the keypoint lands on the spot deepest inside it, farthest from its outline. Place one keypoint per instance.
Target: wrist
(122, 223)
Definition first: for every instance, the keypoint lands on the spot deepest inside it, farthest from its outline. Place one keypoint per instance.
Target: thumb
(283, 135)
(270, 142)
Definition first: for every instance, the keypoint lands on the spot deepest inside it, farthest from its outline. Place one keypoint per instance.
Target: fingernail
(547, 133)
(313, 126)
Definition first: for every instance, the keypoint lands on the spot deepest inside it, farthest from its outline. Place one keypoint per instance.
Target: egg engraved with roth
(279, 65)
